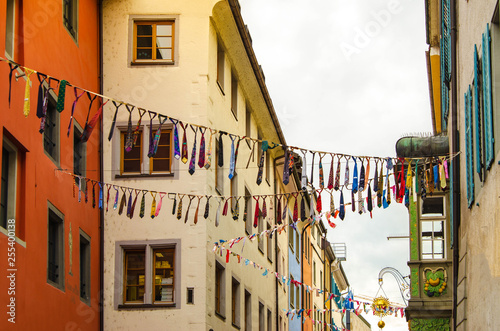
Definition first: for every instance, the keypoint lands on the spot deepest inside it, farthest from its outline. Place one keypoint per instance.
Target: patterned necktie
(153, 205)
(177, 151)
(261, 162)
(369, 200)
(312, 168)
(207, 207)
(179, 208)
(285, 208)
(129, 204)
(26, 108)
(77, 97)
(232, 159)
(321, 175)
(330, 176)
(380, 192)
(41, 95)
(89, 127)
(355, 176)
(264, 207)
(362, 177)
(286, 169)
(342, 207)
(115, 205)
(375, 177)
(302, 207)
(353, 203)
(61, 95)
(220, 156)
(156, 141)
(295, 216)
(101, 198)
(361, 203)
(192, 163)
(201, 155)
(337, 176)
(257, 212)
(113, 123)
(367, 173)
(319, 206)
(209, 153)
(245, 209)
(184, 155)
(132, 209)
(123, 201)
(136, 132)
(332, 205)
(278, 210)
(346, 175)
(129, 139)
(236, 210)
(304, 170)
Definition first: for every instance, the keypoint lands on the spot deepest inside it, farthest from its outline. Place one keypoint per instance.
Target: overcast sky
(349, 76)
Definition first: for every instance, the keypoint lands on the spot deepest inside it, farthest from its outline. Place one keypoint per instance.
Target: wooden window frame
(85, 267)
(125, 272)
(151, 160)
(122, 153)
(171, 269)
(59, 248)
(154, 23)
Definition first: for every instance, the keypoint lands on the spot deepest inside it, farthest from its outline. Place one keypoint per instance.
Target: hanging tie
(207, 207)
(336, 186)
(355, 176)
(264, 207)
(129, 205)
(137, 130)
(286, 169)
(380, 191)
(191, 197)
(245, 210)
(353, 202)
(361, 186)
(61, 95)
(153, 204)
(143, 204)
(319, 206)
(156, 141)
(133, 204)
(312, 168)
(295, 215)
(26, 108)
(285, 207)
(232, 160)
(174, 204)
(201, 155)
(197, 209)
(302, 206)
(113, 123)
(179, 208)
(12, 67)
(251, 157)
(342, 207)
(177, 151)
(45, 102)
(346, 175)
(129, 139)
(304, 170)
(82, 137)
(409, 176)
(86, 190)
(217, 214)
(209, 153)
(89, 127)
(115, 205)
(265, 146)
(257, 212)
(321, 175)
(77, 97)
(442, 173)
(101, 198)
(278, 210)
(375, 177)
(361, 203)
(41, 95)
(236, 210)
(332, 204)
(93, 194)
(226, 204)
(220, 156)
(192, 163)
(123, 201)
(107, 199)
(367, 173)
(330, 176)
(369, 199)
(184, 155)
(158, 208)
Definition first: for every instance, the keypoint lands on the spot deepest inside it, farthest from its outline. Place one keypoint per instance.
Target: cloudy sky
(349, 76)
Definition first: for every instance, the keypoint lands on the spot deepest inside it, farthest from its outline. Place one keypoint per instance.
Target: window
(84, 267)
(297, 240)
(8, 183)
(269, 245)
(314, 272)
(248, 211)
(149, 274)
(79, 152)
(297, 296)
(269, 320)
(70, 17)
(219, 171)
(262, 325)
(10, 29)
(292, 293)
(432, 239)
(320, 279)
(248, 310)
(51, 132)
(190, 296)
(220, 66)
(55, 259)
(260, 229)
(154, 41)
(433, 207)
(136, 161)
(234, 96)
(291, 237)
(248, 123)
(235, 303)
(220, 290)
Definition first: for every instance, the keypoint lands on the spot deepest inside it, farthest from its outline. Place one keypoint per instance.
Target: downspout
(101, 176)
(302, 266)
(455, 147)
(276, 244)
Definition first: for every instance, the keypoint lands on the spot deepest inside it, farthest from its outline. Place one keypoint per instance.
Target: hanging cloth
(209, 153)
(192, 163)
(264, 207)
(353, 202)
(129, 138)
(93, 194)
(361, 203)
(286, 168)
(332, 205)
(442, 173)
(61, 95)
(201, 155)
(226, 204)
(12, 67)
(137, 130)
(89, 127)
(245, 210)
(380, 191)
(285, 207)
(113, 123)
(107, 199)
(77, 97)
(156, 141)
(101, 198)
(26, 108)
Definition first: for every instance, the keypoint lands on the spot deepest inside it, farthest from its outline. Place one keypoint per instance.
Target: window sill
(219, 315)
(171, 174)
(221, 88)
(236, 326)
(151, 62)
(146, 306)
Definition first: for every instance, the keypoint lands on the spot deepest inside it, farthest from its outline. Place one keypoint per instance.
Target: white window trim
(148, 245)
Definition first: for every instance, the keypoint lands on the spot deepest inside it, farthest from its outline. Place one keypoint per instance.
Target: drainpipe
(302, 265)
(101, 176)
(455, 147)
(276, 243)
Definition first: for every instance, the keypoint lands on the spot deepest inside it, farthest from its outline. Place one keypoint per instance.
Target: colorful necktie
(286, 169)
(380, 191)
(89, 127)
(361, 203)
(226, 204)
(264, 207)
(235, 211)
(285, 208)
(264, 147)
(158, 208)
(61, 95)
(369, 200)
(83, 137)
(257, 212)
(232, 159)
(332, 204)
(361, 186)
(179, 208)
(319, 205)
(321, 175)
(304, 170)
(77, 97)
(312, 168)
(201, 155)
(207, 207)
(43, 111)
(123, 201)
(220, 156)
(41, 94)
(115, 205)
(143, 204)
(101, 198)
(336, 186)
(184, 151)
(177, 151)
(12, 67)
(342, 207)
(129, 139)
(375, 177)
(330, 176)
(133, 204)
(346, 175)
(192, 163)
(278, 210)
(156, 141)
(295, 216)
(355, 176)
(153, 205)
(26, 108)
(197, 209)
(113, 123)
(191, 197)
(353, 204)
(129, 204)
(209, 153)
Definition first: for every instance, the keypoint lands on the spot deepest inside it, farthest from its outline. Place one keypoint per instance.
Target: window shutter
(445, 61)
(477, 114)
(488, 104)
(469, 147)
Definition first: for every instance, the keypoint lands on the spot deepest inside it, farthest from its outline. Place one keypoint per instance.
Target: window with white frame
(147, 273)
(432, 223)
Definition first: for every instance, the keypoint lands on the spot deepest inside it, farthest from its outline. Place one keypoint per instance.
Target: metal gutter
(101, 175)
(247, 42)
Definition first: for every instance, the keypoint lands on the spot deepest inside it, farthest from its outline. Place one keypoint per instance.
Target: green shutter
(477, 114)
(469, 147)
(488, 104)
(445, 58)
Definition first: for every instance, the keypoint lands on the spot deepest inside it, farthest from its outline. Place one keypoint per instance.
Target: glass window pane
(131, 165)
(145, 30)
(145, 54)
(426, 247)
(164, 275)
(164, 30)
(427, 256)
(161, 165)
(144, 41)
(438, 226)
(163, 152)
(134, 275)
(433, 206)
(426, 226)
(163, 42)
(164, 54)
(135, 152)
(438, 246)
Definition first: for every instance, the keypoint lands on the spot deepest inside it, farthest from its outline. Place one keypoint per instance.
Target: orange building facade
(49, 241)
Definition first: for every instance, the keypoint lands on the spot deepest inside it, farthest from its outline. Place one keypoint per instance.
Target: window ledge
(235, 326)
(150, 62)
(146, 306)
(221, 88)
(219, 315)
(144, 175)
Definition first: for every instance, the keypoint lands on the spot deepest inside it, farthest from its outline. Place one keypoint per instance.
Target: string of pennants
(227, 253)
(434, 170)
